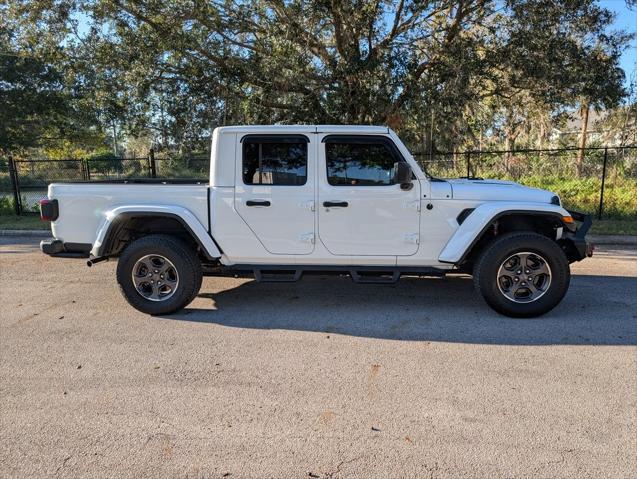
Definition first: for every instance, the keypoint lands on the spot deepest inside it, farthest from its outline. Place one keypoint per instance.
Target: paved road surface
(321, 378)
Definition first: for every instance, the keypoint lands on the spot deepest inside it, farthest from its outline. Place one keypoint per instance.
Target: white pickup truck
(284, 201)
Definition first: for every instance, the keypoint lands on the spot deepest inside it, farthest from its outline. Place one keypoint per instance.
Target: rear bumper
(57, 248)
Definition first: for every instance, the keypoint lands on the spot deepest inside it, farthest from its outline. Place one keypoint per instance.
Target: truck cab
(283, 201)
(325, 195)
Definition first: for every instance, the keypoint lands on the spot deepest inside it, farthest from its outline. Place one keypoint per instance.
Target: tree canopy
(453, 71)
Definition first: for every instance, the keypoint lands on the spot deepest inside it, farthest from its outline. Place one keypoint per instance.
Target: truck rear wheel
(159, 274)
(522, 274)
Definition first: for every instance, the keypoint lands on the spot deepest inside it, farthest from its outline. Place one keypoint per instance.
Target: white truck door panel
(274, 191)
(360, 211)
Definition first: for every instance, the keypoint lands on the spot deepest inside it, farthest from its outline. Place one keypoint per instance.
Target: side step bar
(361, 277)
(375, 277)
(280, 276)
(359, 274)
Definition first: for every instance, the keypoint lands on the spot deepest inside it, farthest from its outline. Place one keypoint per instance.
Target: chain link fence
(604, 182)
(23, 183)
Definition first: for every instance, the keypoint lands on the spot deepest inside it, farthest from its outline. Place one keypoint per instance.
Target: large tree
(451, 68)
(33, 99)
(41, 100)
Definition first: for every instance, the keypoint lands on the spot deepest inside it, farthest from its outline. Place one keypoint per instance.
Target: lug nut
(517, 279)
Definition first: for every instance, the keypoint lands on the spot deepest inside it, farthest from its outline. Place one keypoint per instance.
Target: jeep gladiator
(283, 201)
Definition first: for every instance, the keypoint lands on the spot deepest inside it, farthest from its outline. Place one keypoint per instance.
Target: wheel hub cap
(155, 277)
(524, 277)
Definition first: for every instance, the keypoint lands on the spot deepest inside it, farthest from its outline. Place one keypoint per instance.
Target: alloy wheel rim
(155, 277)
(524, 277)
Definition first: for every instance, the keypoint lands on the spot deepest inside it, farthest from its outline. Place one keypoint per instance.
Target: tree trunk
(114, 139)
(509, 146)
(584, 110)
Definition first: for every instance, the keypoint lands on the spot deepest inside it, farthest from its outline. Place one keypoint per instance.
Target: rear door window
(275, 160)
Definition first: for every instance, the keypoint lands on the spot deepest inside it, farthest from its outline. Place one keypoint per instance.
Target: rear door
(274, 191)
(361, 210)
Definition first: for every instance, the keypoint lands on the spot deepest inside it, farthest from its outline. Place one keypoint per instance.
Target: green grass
(582, 194)
(25, 222)
(614, 227)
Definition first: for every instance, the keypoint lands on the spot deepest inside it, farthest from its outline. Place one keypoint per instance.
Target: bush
(6, 206)
(620, 194)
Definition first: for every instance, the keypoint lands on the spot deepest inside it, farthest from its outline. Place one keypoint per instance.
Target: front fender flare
(474, 226)
(183, 215)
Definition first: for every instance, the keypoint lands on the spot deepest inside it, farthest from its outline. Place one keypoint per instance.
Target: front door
(361, 210)
(274, 191)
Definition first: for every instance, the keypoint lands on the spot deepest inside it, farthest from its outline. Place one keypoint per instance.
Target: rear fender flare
(476, 224)
(183, 215)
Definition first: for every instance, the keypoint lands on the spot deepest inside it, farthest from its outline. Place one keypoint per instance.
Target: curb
(595, 239)
(27, 233)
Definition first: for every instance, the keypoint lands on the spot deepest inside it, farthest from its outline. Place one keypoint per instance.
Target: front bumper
(583, 248)
(59, 249)
(577, 248)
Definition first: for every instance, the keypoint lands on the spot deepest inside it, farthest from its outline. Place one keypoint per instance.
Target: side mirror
(403, 176)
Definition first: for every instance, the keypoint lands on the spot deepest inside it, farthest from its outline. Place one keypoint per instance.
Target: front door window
(362, 210)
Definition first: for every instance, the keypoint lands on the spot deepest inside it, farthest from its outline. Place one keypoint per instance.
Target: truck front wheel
(522, 274)
(159, 274)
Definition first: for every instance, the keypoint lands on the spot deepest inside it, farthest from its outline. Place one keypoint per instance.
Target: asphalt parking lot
(321, 378)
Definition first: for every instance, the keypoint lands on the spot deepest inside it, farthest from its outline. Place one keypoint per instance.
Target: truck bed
(83, 206)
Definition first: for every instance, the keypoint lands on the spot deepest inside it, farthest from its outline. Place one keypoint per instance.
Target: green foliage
(614, 227)
(40, 102)
(620, 195)
(6, 205)
(451, 71)
(24, 222)
(32, 97)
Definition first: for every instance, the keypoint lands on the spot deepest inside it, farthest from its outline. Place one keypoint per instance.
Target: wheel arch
(125, 224)
(489, 221)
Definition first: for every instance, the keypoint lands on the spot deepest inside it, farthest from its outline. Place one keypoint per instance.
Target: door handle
(257, 203)
(333, 204)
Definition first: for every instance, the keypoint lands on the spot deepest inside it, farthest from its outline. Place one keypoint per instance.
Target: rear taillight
(49, 210)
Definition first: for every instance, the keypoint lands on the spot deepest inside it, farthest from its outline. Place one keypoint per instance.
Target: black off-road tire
(180, 254)
(485, 274)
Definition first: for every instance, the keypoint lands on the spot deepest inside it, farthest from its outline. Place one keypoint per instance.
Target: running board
(375, 277)
(359, 274)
